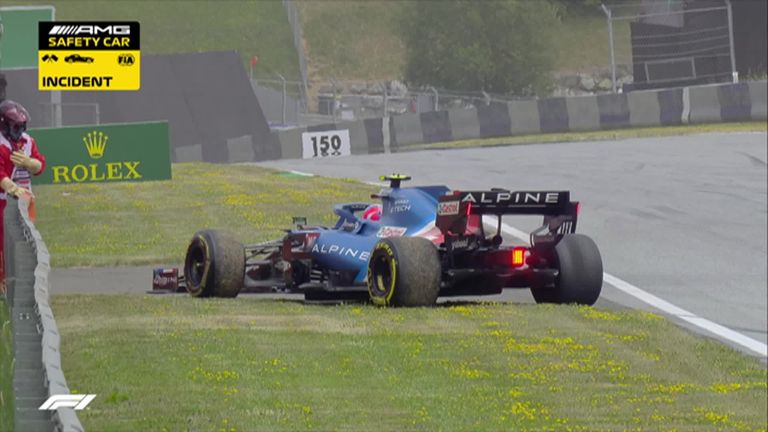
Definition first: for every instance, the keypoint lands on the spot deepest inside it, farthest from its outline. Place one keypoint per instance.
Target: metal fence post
(292, 13)
(57, 109)
(333, 102)
(284, 98)
(610, 43)
(51, 115)
(386, 102)
(437, 98)
(734, 72)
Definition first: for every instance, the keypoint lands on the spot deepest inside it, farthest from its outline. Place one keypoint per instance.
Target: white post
(333, 104)
(734, 72)
(56, 104)
(386, 102)
(610, 43)
(283, 79)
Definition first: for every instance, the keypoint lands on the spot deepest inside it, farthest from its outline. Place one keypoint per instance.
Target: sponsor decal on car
(391, 231)
(341, 251)
(165, 279)
(400, 205)
(448, 208)
(529, 198)
(460, 243)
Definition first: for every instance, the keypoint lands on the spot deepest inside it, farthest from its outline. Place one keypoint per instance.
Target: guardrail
(37, 371)
(745, 101)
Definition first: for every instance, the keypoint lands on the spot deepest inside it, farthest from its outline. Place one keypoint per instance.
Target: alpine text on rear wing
(454, 209)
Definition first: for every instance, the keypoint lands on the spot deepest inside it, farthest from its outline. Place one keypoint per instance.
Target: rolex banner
(104, 153)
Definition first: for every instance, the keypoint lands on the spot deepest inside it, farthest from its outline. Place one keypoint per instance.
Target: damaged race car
(421, 243)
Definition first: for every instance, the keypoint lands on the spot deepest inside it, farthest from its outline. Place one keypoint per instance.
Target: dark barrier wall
(37, 374)
(699, 104)
(614, 110)
(3, 83)
(22, 87)
(435, 126)
(206, 98)
(553, 115)
(750, 35)
(735, 103)
(670, 107)
(493, 119)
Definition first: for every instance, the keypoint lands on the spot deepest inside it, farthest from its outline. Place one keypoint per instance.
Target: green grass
(353, 40)
(582, 44)
(101, 224)
(251, 27)
(349, 40)
(345, 40)
(600, 135)
(6, 368)
(179, 363)
(152, 222)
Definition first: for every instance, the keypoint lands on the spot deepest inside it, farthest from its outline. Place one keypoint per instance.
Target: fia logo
(126, 59)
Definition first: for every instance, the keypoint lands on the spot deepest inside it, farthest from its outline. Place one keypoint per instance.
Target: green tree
(500, 46)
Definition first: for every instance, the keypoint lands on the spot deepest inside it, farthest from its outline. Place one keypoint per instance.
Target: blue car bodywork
(405, 212)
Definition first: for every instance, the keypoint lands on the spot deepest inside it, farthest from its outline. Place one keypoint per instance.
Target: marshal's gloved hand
(13, 189)
(30, 164)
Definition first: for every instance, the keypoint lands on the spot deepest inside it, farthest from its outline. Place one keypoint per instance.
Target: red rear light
(518, 256)
(469, 208)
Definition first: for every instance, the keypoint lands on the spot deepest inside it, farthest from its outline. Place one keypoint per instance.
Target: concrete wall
(271, 102)
(700, 104)
(37, 374)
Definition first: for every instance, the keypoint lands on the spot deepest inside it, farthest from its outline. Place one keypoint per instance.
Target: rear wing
(454, 209)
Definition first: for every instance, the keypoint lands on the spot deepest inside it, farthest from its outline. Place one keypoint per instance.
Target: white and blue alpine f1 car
(419, 244)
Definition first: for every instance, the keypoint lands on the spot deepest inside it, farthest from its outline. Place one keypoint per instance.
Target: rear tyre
(214, 265)
(580, 278)
(404, 271)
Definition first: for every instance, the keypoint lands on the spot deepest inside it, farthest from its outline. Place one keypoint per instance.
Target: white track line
(301, 173)
(660, 304)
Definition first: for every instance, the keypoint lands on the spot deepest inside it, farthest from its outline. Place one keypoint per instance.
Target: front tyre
(404, 271)
(580, 278)
(214, 265)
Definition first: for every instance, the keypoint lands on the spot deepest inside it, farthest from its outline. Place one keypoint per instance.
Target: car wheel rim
(383, 281)
(197, 265)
